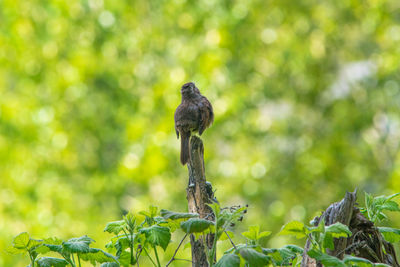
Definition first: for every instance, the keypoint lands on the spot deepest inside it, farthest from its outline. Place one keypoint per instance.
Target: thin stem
(32, 259)
(155, 252)
(233, 244)
(131, 247)
(176, 251)
(214, 247)
(138, 252)
(67, 259)
(206, 248)
(130, 243)
(73, 260)
(79, 260)
(148, 255)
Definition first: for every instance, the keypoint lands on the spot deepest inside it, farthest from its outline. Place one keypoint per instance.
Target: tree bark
(198, 194)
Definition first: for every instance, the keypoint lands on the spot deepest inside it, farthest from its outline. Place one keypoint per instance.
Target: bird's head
(189, 89)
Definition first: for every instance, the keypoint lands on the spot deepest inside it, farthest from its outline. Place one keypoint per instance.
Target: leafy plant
(375, 206)
(22, 243)
(72, 251)
(321, 236)
(148, 231)
(373, 210)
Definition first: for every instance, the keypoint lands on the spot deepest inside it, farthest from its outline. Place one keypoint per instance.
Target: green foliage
(321, 236)
(135, 236)
(254, 258)
(254, 235)
(95, 255)
(74, 246)
(21, 241)
(77, 245)
(294, 228)
(325, 259)
(390, 234)
(196, 225)
(348, 261)
(360, 262)
(374, 206)
(228, 260)
(285, 255)
(51, 262)
(157, 235)
(115, 227)
(166, 214)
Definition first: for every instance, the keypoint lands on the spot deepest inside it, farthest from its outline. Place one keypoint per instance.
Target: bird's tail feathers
(185, 153)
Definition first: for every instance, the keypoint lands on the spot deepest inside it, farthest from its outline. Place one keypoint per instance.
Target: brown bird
(194, 114)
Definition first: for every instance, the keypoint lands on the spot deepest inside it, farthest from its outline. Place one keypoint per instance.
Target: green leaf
(264, 234)
(228, 260)
(42, 249)
(275, 255)
(54, 248)
(338, 230)
(325, 259)
(359, 262)
(294, 228)
(375, 206)
(321, 226)
(284, 255)
(77, 245)
(13, 250)
(157, 236)
(166, 214)
(195, 225)
(328, 241)
(51, 262)
(238, 247)
(130, 220)
(254, 258)
(53, 241)
(125, 258)
(391, 235)
(391, 206)
(34, 243)
(21, 240)
(153, 210)
(123, 243)
(393, 196)
(216, 208)
(294, 248)
(151, 213)
(115, 227)
(97, 255)
(254, 233)
(109, 264)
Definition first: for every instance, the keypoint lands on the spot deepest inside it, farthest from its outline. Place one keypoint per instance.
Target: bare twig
(176, 251)
(233, 244)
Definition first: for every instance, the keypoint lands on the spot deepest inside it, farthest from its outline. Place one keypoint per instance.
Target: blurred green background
(305, 93)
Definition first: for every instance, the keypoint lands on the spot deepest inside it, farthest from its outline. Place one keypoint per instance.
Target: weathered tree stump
(366, 241)
(198, 195)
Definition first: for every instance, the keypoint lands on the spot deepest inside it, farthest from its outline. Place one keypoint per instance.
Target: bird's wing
(206, 113)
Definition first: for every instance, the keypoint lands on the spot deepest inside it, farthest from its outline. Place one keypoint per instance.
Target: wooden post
(198, 195)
